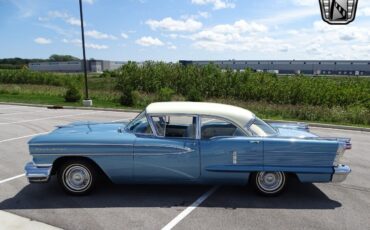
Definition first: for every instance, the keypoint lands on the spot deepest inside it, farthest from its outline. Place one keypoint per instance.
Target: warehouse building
(356, 68)
(96, 66)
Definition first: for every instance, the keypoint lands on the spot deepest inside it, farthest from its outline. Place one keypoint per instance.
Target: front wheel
(268, 183)
(77, 177)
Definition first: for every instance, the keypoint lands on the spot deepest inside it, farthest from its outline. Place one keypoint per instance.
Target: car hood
(83, 132)
(286, 132)
(90, 127)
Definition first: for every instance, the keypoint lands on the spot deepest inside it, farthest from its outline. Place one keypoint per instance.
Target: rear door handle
(254, 142)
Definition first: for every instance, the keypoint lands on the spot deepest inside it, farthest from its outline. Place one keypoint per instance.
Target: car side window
(140, 125)
(175, 126)
(216, 127)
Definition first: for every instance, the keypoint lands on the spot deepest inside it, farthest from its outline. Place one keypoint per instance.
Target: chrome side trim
(163, 154)
(164, 146)
(82, 154)
(340, 173)
(37, 174)
(80, 144)
(42, 165)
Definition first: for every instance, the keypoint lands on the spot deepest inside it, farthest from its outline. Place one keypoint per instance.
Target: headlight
(340, 152)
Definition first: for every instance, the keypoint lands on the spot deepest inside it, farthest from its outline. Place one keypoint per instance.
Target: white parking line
(16, 138)
(189, 209)
(11, 107)
(12, 178)
(46, 118)
(5, 114)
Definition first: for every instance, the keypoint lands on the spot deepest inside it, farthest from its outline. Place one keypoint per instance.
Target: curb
(320, 125)
(73, 107)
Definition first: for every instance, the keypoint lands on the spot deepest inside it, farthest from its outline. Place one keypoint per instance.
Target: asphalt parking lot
(302, 206)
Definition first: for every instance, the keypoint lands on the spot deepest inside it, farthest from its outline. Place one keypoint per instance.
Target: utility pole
(86, 101)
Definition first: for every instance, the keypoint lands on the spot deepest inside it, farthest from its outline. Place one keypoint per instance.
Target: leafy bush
(24, 76)
(194, 95)
(72, 94)
(211, 82)
(165, 94)
(126, 98)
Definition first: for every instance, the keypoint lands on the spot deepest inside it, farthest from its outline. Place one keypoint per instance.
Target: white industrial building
(324, 67)
(97, 66)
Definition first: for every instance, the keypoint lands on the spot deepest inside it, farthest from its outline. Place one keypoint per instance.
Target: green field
(316, 99)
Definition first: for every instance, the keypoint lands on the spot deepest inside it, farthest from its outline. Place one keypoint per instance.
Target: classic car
(187, 142)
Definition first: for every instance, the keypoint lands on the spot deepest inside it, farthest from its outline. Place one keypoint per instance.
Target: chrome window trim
(225, 119)
(151, 124)
(250, 123)
(151, 127)
(197, 131)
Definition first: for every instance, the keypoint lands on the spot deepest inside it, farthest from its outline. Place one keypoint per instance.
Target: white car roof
(236, 114)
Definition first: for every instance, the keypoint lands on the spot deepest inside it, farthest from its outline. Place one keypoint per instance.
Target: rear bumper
(340, 173)
(37, 174)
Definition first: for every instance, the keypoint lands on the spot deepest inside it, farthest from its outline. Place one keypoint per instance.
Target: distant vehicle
(187, 142)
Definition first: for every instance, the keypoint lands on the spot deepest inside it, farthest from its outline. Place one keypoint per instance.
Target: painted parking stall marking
(189, 209)
(12, 178)
(17, 138)
(46, 118)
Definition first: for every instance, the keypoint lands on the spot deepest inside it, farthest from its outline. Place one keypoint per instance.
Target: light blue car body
(126, 157)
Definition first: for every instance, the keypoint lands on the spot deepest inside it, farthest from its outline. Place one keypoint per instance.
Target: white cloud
(170, 24)
(99, 35)
(364, 11)
(124, 35)
(42, 41)
(72, 41)
(217, 4)
(62, 15)
(240, 26)
(291, 15)
(78, 42)
(96, 46)
(173, 36)
(73, 21)
(149, 41)
(204, 14)
(172, 47)
(305, 2)
(89, 1)
(26, 9)
(239, 36)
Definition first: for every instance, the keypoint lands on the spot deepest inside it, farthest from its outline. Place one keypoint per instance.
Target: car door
(227, 151)
(172, 154)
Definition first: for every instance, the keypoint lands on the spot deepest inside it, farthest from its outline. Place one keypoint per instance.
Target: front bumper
(38, 174)
(340, 173)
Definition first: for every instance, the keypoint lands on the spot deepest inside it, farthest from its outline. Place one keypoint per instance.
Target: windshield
(261, 128)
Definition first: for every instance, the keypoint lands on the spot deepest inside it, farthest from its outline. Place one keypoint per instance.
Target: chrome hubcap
(77, 177)
(270, 181)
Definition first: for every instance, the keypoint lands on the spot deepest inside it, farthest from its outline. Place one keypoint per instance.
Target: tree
(57, 57)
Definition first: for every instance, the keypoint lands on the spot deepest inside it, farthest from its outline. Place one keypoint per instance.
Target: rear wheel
(77, 177)
(268, 183)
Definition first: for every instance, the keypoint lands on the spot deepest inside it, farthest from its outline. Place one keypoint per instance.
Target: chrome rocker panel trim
(38, 174)
(340, 173)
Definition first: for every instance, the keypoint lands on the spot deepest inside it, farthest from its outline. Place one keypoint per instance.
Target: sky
(172, 30)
